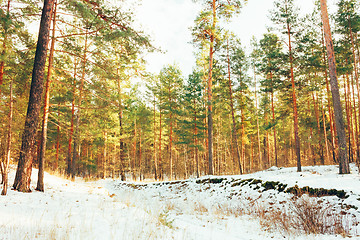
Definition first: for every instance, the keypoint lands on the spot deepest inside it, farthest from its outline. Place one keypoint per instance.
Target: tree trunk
(234, 131)
(69, 164)
(40, 182)
(5, 167)
(76, 153)
(331, 113)
(170, 146)
(274, 130)
(23, 172)
(355, 122)
(257, 125)
(317, 115)
(2, 63)
(209, 87)
(134, 144)
(57, 144)
(140, 155)
(105, 155)
(357, 83)
(160, 161)
(348, 111)
(155, 159)
(339, 120)
(296, 121)
(196, 143)
(121, 153)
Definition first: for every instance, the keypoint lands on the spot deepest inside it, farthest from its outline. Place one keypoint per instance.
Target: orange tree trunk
(23, 172)
(339, 120)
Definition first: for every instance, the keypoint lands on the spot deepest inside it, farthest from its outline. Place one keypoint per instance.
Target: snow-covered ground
(224, 207)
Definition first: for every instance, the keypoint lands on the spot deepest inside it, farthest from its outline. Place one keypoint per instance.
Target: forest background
(97, 123)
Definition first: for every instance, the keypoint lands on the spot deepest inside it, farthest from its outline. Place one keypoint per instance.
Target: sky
(168, 22)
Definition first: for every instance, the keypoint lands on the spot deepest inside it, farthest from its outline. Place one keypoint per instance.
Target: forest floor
(278, 203)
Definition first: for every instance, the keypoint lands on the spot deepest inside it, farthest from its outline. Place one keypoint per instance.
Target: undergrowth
(304, 215)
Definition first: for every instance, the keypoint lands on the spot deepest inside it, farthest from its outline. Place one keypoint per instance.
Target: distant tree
(206, 32)
(285, 15)
(192, 113)
(171, 86)
(270, 65)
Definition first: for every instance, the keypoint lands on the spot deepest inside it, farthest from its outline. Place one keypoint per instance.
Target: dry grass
(315, 218)
(303, 215)
(200, 208)
(227, 209)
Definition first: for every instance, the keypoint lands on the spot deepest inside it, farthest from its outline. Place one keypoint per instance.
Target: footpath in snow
(254, 206)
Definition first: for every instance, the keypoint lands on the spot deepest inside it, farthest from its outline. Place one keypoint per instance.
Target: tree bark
(57, 144)
(5, 167)
(209, 87)
(196, 143)
(23, 172)
(76, 153)
(155, 159)
(257, 125)
(69, 164)
(274, 126)
(295, 112)
(234, 131)
(331, 113)
(339, 120)
(2, 63)
(122, 159)
(160, 132)
(40, 182)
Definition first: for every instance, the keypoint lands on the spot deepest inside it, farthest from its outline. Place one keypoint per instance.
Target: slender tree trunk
(274, 128)
(316, 108)
(170, 147)
(296, 121)
(160, 161)
(105, 156)
(76, 152)
(140, 155)
(121, 153)
(57, 144)
(69, 164)
(357, 83)
(257, 124)
(40, 182)
(23, 172)
(209, 86)
(252, 154)
(155, 159)
(135, 143)
(196, 142)
(348, 111)
(339, 120)
(311, 147)
(5, 168)
(2, 63)
(234, 131)
(355, 122)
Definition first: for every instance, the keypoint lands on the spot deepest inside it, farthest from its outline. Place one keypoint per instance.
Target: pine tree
(270, 65)
(340, 126)
(23, 172)
(171, 85)
(192, 114)
(285, 15)
(206, 31)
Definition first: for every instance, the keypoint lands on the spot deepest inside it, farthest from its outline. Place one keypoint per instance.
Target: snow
(190, 209)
